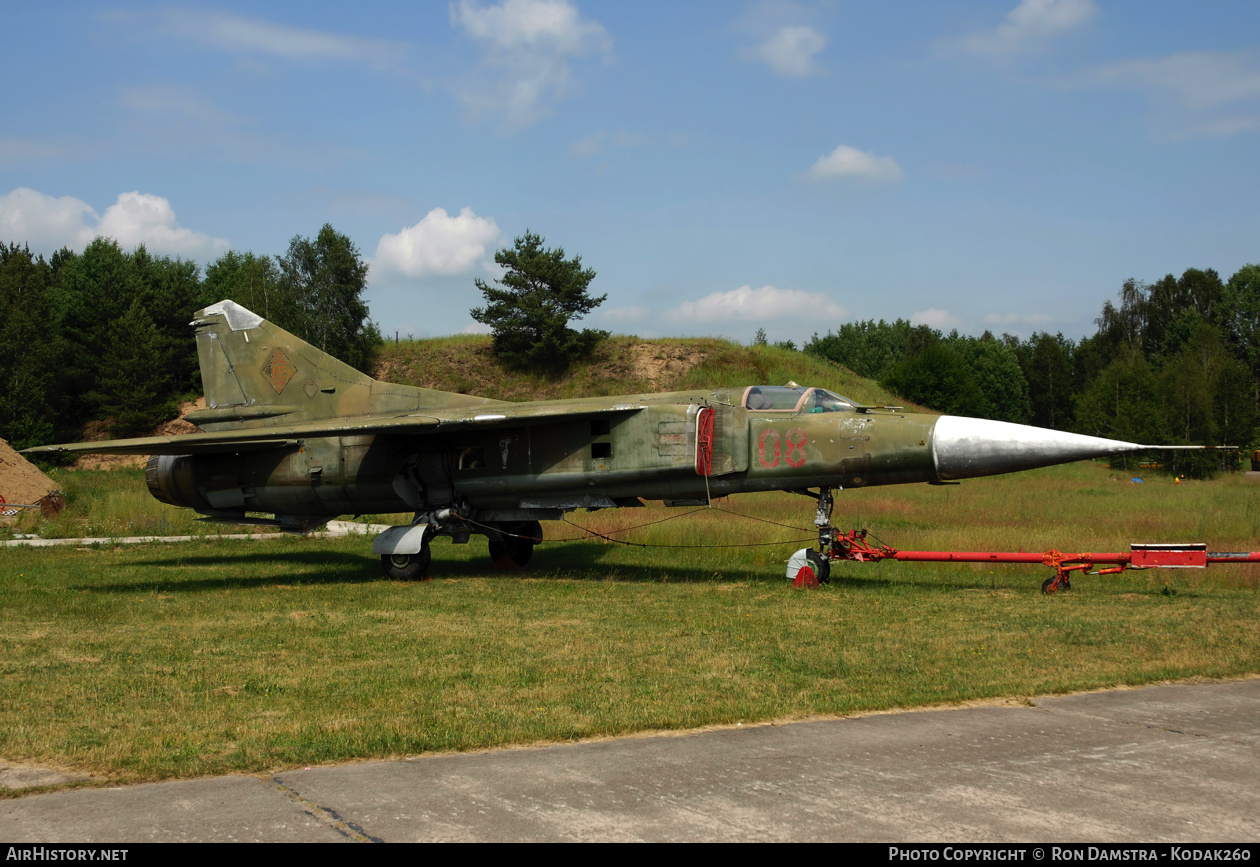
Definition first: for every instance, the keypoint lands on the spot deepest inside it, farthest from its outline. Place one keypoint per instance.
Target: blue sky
(723, 167)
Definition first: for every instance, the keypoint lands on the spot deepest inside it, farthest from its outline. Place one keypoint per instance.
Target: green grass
(116, 503)
(169, 661)
(111, 503)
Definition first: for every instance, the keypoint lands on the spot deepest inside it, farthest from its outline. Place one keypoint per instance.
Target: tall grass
(110, 503)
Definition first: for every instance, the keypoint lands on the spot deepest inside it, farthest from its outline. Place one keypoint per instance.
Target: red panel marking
(761, 448)
(704, 441)
(796, 447)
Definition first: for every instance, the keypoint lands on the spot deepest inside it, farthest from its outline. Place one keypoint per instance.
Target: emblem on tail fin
(279, 370)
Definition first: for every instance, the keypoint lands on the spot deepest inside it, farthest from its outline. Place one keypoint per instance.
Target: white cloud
(528, 44)
(1197, 79)
(1228, 125)
(849, 162)
(139, 218)
(535, 25)
(746, 304)
(934, 318)
(258, 36)
(438, 244)
(1029, 23)
(44, 222)
(790, 51)
(1196, 93)
(14, 150)
(622, 315)
(48, 223)
(596, 143)
(173, 101)
(182, 122)
(476, 328)
(589, 146)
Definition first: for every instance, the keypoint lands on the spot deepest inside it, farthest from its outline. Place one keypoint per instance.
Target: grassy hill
(621, 365)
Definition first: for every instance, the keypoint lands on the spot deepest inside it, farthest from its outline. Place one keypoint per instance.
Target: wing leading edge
(281, 436)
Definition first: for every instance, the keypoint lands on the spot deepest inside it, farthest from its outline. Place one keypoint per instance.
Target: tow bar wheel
(808, 568)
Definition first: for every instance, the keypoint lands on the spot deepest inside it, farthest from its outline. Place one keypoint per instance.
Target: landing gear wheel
(407, 567)
(516, 544)
(821, 566)
(1055, 584)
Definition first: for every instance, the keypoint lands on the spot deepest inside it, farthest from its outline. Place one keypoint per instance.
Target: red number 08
(768, 448)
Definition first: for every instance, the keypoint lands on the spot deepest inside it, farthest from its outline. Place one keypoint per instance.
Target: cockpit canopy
(788, 398)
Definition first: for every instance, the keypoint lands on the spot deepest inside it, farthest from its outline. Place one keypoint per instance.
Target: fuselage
(677, 447)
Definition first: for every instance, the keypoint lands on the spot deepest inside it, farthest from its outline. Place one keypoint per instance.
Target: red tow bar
(1194, 555)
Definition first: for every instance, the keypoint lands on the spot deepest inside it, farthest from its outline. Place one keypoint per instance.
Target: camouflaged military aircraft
(293, 433)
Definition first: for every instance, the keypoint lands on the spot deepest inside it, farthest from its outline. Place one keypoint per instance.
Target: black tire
(407, 567)
(516, 543)
(1048, 587)
(821, 566)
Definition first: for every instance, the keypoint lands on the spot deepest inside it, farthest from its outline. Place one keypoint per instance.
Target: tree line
(1176, 362)
(104, 335)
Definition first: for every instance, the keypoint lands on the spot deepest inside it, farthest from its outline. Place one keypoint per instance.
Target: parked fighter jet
(292, 432)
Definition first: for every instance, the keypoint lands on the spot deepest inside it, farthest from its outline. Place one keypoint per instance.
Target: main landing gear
(515, 543)
(407, 567)
(405, 554)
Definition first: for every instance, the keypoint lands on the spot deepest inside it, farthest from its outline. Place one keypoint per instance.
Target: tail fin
(257, 375)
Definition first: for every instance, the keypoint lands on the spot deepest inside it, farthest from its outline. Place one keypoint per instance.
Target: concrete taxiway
(1177, 763)
(332, 530)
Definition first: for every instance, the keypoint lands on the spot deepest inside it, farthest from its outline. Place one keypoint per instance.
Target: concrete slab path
(1173, 763)
(332, 530)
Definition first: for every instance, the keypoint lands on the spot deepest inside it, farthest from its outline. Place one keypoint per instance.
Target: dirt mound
(99, 430)
(663, 365)
(22, 482)
(619, 365)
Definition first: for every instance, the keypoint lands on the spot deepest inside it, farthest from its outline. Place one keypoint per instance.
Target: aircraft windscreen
(795, 399)
(779, 397)
(827, 401)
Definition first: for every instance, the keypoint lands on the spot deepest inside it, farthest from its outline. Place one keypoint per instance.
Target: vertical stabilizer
(256, 374)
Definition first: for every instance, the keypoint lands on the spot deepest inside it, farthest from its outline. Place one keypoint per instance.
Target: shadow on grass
(941, 581)
(303, 567)
(578, 561)
(597, 561)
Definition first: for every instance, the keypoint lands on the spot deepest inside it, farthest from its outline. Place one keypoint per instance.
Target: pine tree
(541, 291)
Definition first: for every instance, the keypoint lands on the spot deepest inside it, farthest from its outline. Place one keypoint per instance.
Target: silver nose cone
(964, 448)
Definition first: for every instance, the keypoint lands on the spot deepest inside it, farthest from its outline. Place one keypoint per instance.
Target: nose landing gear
(807, 567)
